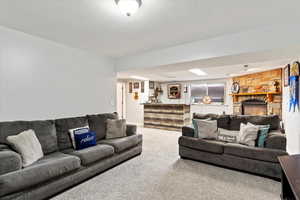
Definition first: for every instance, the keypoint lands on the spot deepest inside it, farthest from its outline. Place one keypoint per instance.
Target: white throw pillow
(78, 130)
(28, 145)
(248, 134)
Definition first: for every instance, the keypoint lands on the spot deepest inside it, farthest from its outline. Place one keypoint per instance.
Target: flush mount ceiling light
(198, 72)
(129, 7)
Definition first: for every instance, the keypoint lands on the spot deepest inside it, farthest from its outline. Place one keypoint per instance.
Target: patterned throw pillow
(228, 135)
(85, 140)
(206, 129)
(79, 130)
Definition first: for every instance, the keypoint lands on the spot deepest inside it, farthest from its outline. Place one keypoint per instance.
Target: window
(215, 91)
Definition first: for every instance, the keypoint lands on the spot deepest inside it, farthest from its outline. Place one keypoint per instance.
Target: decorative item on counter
(286, 75)
(151, 84)
(174, 91)
(206, 100)
(294, 87)
(235, 88)
(130, 87)
(142, 86)
(136, 85)
(276, 86)
(135, 95)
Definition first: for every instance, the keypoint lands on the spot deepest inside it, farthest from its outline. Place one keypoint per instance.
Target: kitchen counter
(166, 116)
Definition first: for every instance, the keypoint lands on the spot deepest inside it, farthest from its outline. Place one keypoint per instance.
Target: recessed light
(198, 72)
(139, 78)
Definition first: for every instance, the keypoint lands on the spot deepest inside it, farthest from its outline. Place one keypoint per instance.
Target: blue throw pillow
(262, 135)
(85, 140)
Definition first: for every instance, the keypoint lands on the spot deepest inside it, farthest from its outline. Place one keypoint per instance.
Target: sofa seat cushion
(49, 167)
(255, 153)
(124, 143)
(92, 154)
(212, 146)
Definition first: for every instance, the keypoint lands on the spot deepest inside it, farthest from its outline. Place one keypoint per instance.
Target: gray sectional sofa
(261, 161)
(62, 166)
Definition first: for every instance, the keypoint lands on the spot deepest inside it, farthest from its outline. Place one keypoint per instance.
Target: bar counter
(166, 116)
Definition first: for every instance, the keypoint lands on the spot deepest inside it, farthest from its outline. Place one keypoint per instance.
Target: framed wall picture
(294, 69)
(130, 87)
(286, 75)
(151, 84)
(142, 86)
(136, 85)
(174, 91)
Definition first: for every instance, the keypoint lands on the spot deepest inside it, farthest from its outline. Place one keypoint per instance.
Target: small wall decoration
(235, 88)
(142, 86)
(136, 85)
(136, 96)
(206, 100)
(151, 84)
(174, 91)
(294, 86)
(295, 69)
(185, 89)
(286, 75)
(130, 87)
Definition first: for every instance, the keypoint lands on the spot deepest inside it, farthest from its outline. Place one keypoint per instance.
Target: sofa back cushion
(222, 120)
(62, 128)
(236, 120)
(44, 130)
(97, 123)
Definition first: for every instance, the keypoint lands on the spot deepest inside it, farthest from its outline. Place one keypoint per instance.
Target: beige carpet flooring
(159, 174)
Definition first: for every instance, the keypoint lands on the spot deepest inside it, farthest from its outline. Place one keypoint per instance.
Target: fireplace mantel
(269, 95)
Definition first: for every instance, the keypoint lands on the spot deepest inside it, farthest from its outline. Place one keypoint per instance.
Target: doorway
(121, 108)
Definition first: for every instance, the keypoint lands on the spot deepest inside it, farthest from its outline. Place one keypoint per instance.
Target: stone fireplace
(254, 107)
(257, 95)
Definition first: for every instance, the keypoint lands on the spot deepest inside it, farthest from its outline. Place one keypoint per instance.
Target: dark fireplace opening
(254, 107)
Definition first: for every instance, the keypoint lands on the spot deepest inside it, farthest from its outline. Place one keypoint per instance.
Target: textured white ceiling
(99, 27)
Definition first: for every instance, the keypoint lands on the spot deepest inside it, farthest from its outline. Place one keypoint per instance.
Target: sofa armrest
(4, 146)
(10, 161)
(276, 140)
(188, 131)
(130, 129)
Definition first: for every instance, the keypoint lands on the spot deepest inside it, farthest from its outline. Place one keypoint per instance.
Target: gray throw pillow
(206, 129)
(115, 128)
(248, 134)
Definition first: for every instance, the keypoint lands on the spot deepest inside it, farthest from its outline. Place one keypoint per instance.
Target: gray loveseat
(261, 161)
(62, 166)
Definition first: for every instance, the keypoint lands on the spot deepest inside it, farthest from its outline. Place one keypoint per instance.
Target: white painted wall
(40, 79)
(292, 124)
